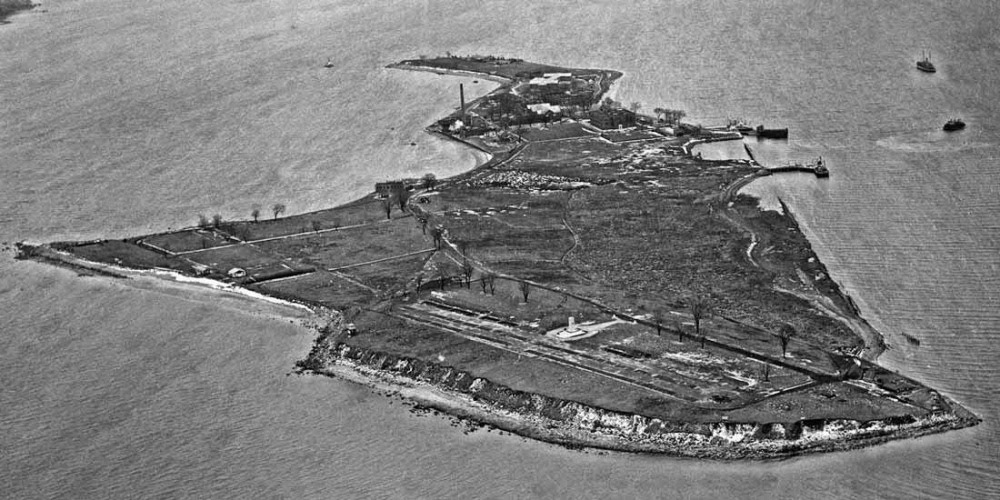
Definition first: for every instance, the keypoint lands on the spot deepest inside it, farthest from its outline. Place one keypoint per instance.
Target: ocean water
(118, 120)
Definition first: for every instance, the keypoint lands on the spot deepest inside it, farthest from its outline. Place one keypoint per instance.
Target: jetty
(818, 168)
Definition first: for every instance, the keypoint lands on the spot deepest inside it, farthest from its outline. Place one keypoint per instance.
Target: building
(387, 189)
(608, 118)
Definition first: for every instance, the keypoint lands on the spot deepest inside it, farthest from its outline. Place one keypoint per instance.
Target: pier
(818, 168)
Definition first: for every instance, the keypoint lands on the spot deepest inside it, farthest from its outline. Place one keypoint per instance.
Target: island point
(594, 284)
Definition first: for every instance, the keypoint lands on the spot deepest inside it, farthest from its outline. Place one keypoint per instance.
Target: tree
(635, 107)
(430, 180)
(316, 225)
(387, 207)
(442, 277)
(438, 234)
(659, 112)
(463, 246)
(701, 308)
(467, 270)
(402, 196)
(255, 212)
(657, 318)
(278, 209)
(785, 334)
(490, 278)
(203, 221)
(216, 221)
(525, 289)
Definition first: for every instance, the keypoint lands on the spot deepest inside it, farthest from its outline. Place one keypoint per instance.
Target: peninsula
(593, 284)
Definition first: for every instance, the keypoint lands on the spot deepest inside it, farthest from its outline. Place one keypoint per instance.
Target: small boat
(329, 63)
(820, 168)
(926, 65)
(954, 124)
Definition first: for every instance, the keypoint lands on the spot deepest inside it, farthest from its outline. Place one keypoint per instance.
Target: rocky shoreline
(575, 425)
(569, 423)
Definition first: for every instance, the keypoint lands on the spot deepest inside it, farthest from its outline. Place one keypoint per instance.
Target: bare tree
(402, 196)
(317, 225)
(255, 212)
(635, 107)
(491, 279)
(657, 318)
(216, 221)
(785, 334)
(438, 234)
(701, 308)
(463, 246)
(525, 289)
(278, 209)
(203, 221)
(442, 277)
(467, 270)
(387, 207)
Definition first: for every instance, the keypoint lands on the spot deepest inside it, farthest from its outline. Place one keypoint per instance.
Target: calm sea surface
(118, 119)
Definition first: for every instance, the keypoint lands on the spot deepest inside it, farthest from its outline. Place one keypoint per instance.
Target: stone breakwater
(577, 425)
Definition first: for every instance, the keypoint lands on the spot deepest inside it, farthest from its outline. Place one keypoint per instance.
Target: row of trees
(216, 220)
(701, 307)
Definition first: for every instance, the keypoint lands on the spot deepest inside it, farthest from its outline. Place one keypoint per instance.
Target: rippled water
(117, 121)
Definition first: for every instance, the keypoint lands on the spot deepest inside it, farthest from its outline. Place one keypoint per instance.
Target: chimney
(461, 96)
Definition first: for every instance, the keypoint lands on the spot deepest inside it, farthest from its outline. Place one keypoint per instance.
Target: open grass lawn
(248, 257)
(834, 400)
(189, 239)
(390, 275)
(319, 287)
(629, 135)
(126, 254)
(555, 132)
(335, 249)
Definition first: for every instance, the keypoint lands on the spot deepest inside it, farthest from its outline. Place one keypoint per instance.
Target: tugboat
(820, 169)
(954, 124)
(926, 65)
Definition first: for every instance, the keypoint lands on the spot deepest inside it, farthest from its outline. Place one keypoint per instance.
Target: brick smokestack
(461, 97)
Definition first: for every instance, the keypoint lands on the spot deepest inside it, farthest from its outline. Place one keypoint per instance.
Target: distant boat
(329, 63)
(772, 133)
(759, 131)
(954, 124)
(926, 64)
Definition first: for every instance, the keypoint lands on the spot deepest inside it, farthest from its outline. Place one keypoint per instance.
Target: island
(594, 284)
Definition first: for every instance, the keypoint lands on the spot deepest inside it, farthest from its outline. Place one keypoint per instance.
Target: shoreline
(574, 425)
(566, 422)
